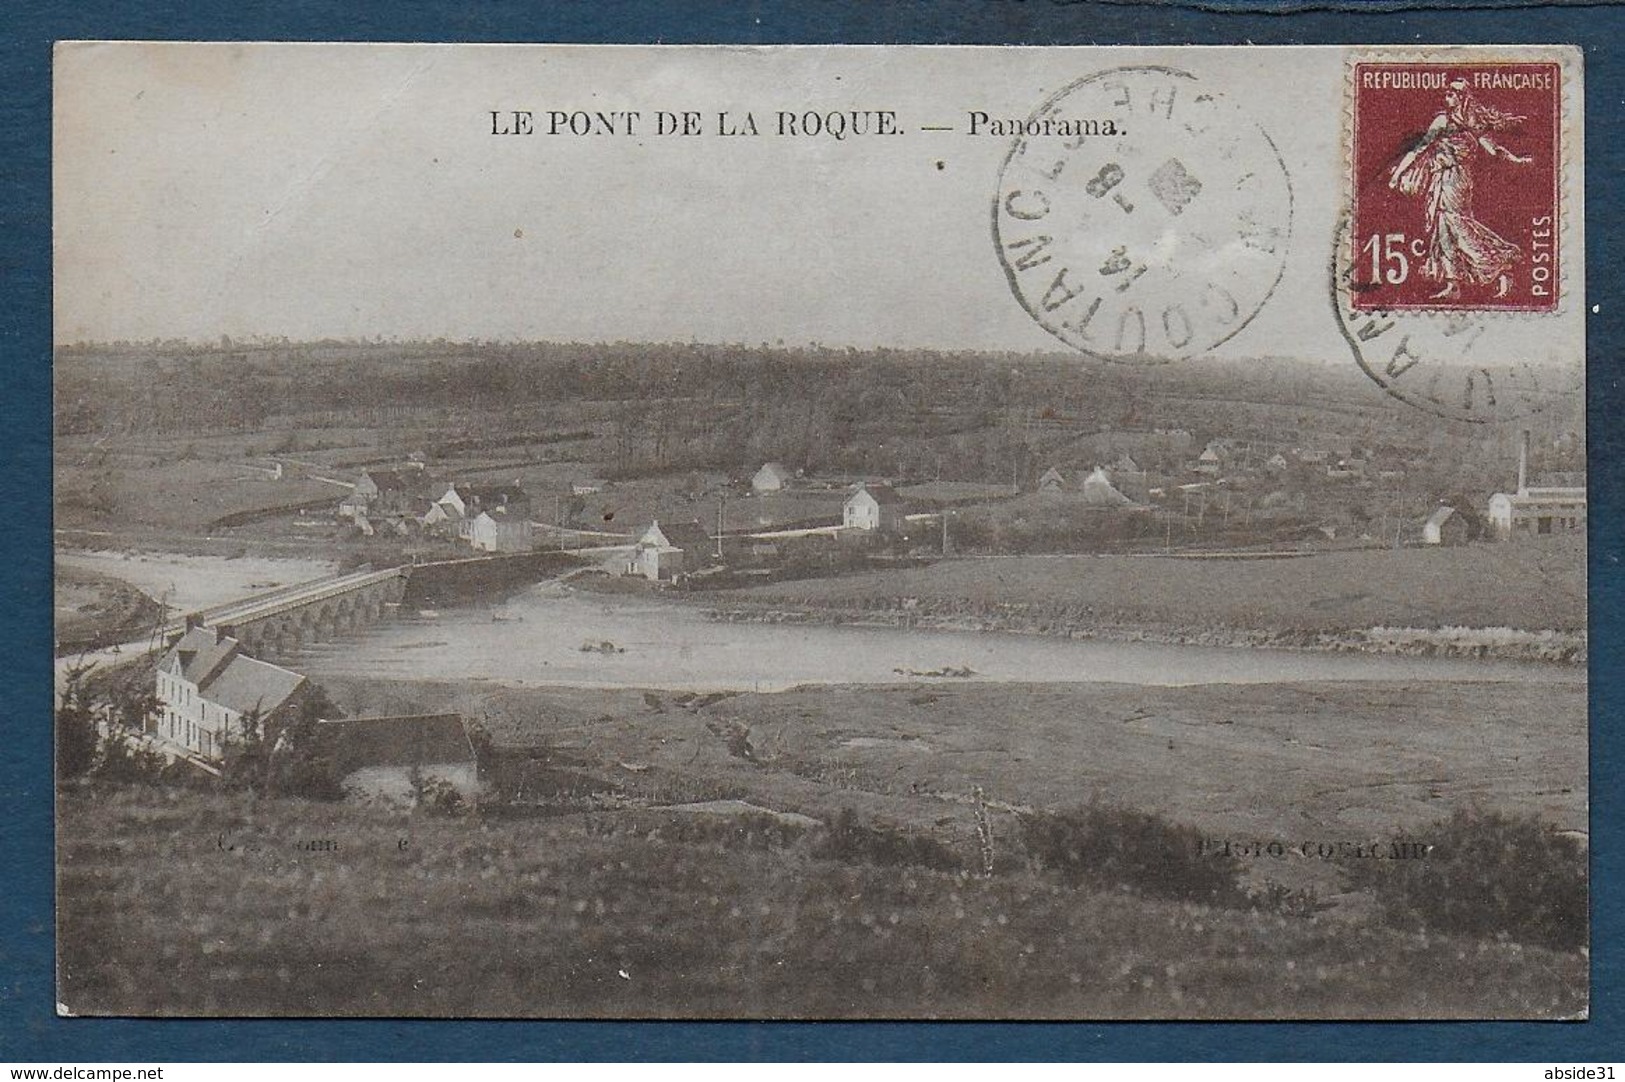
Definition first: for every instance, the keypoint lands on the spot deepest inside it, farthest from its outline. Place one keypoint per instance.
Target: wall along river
(540, 637)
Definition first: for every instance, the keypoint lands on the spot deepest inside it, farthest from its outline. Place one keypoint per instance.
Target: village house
(1554, 504)
(877, 508)
(443, 517)
(498, 531)
(206, 685)
(1053, 483)
(353, 507)
(390, 492)
(1445, 527)
(1098, 491)
(471, 499)
(664, 552)
(1208, 461)
(462, 503)
(392, 758)
(772, 477)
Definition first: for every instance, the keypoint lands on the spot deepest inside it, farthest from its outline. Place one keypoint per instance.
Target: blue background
(29, 1030)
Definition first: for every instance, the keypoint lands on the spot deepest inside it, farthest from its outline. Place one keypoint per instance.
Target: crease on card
(299, 190)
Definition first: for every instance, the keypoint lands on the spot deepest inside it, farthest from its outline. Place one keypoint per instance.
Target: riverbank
(1501, 644)
(95, 610)
(1522, 602)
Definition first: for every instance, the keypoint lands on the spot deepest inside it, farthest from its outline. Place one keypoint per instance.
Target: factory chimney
(1523, 463)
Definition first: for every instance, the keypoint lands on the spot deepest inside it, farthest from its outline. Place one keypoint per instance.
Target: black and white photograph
(820, 532)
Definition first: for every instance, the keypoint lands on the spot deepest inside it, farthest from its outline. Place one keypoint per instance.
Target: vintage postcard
(820, 532)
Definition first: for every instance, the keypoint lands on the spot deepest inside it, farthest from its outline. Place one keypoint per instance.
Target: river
(537, 638)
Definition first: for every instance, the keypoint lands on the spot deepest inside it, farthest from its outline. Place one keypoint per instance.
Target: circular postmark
(1142, 216)
(1475, 366)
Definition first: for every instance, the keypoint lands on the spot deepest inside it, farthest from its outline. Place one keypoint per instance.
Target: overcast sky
(354, 191)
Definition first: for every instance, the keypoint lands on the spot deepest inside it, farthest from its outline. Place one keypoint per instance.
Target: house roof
(491, 495)
(1439, 516)
(247, 684)
(1549, 501)
(408, 480)
(405, 740)
(1098, 489)
(1052, 476)
(688, 536)
(884, 495)
(776, 469)
(199, 654)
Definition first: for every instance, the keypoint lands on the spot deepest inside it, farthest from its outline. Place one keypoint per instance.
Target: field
(1531, 586)
(605, 900)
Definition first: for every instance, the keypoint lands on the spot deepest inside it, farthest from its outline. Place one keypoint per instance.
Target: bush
(1113, 847)
(845, 839)
(75, 726)
(1487, 875)
(437, 796)
(123, 760)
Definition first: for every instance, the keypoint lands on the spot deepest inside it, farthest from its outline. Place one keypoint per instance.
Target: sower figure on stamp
(1459, 246)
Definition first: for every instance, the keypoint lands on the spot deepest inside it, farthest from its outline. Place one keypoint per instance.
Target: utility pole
(722, 502)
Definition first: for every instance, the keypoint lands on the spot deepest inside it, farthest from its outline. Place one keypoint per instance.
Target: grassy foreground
(603, 901)
(634, 915)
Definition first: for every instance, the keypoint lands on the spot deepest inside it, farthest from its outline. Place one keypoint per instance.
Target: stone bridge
(277, 624)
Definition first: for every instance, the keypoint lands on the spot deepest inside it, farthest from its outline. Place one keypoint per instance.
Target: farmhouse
(390, 492)
(772, 477)
(391, 758)
(663, 552)
(1053, 483)
(471, 499)
(353, 507)
(1208, 461)
(1445, 527)
(205, 686)
(499, 531)
(1555, 504)
(443, 516)
(873, 507)
(1098, 491)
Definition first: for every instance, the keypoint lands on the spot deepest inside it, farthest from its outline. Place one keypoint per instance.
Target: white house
(205, 686)
(663, 552)
(1099, 491)
(772, 477)
(1444, 527)
(442, 516)
(1208, 461)
(454, 500)
(500, 532)
(873, 507)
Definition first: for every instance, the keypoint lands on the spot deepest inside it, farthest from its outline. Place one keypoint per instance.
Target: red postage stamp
(1455, 187)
